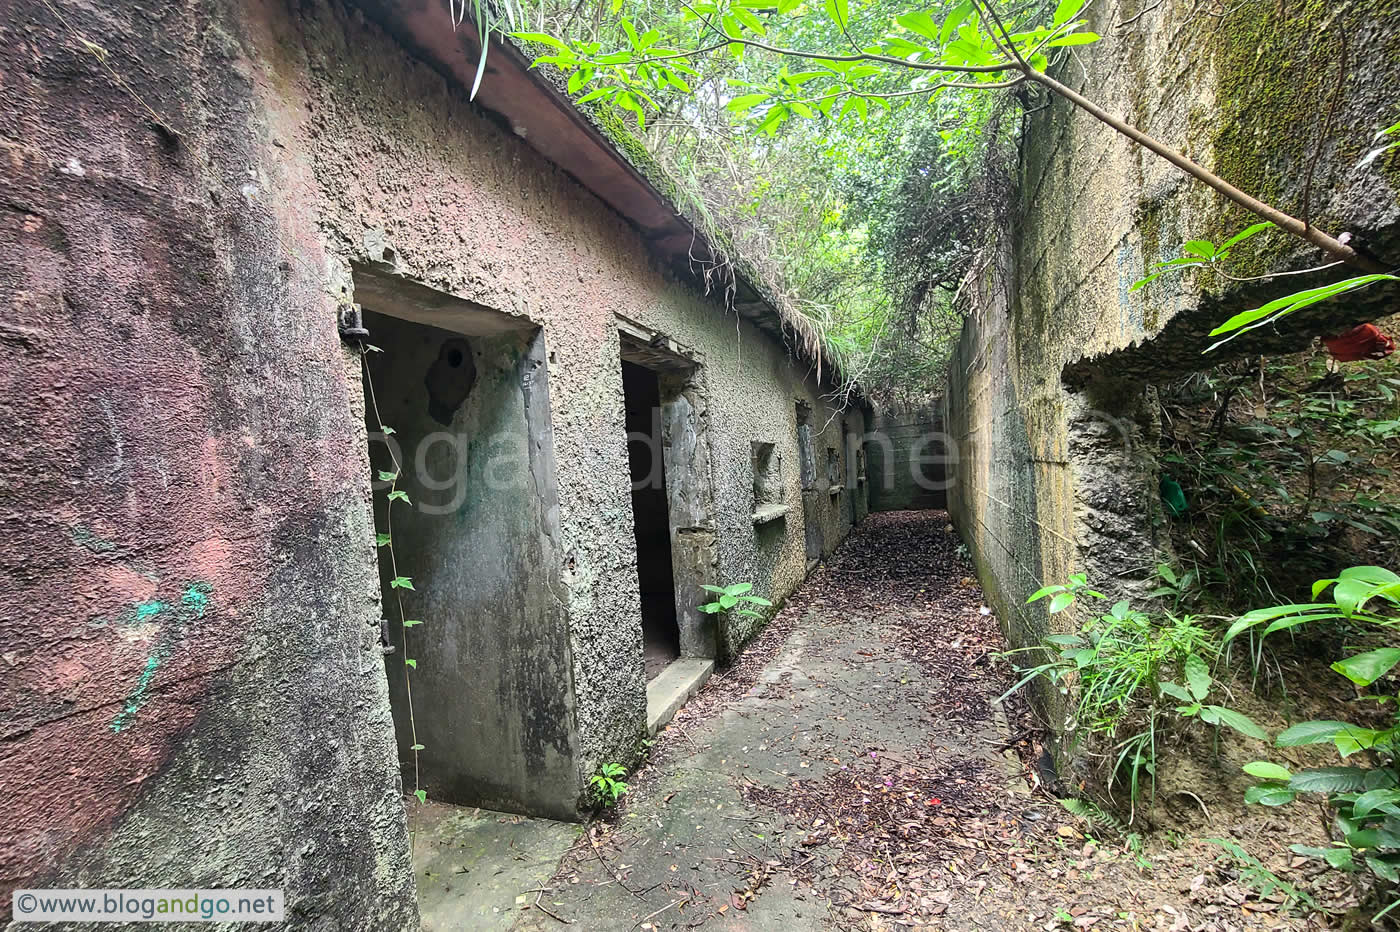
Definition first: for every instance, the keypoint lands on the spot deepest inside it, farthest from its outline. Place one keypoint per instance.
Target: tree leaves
(1066, 11)
(1266, 770)
(921, 24)
(1288, 304)
(1197, 677)
(1269, 795)
(1317, 732)
(1329, 780)
(1365, 669)
(839, 11)
(1219, 715)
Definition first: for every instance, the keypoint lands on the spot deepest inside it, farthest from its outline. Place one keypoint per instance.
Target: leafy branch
(972, 43)
(1204, 254)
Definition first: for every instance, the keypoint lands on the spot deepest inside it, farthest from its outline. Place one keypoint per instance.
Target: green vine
(399, 582)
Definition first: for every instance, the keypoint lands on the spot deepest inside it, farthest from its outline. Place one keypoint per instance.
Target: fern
(1095, 815)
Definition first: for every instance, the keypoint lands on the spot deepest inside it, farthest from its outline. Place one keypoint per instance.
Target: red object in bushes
(1363, 342)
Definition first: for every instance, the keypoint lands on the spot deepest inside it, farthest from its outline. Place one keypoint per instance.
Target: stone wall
(907, 453)
(1050, 392)
(190, 574)
(193, 692)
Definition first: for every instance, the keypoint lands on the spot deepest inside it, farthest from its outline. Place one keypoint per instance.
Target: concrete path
(818, 782)
(848, 772)
(476, 869)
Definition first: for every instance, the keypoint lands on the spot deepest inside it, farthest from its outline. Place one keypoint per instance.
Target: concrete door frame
(524, 756)
(685, 441)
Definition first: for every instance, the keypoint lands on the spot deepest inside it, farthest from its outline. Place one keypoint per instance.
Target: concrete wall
(1050, 396)
(488, 220)
(193, 693)
(906, 453)
(492, 691)
(190, 577)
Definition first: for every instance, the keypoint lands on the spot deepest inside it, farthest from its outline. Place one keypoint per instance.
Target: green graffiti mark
(195, 600)
(145, 611)
(194, 603)
(137, 699)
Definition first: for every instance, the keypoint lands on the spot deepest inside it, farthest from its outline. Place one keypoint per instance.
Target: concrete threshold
(478, 869)
(672, 687)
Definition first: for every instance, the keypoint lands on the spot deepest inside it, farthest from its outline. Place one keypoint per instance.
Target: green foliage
(1120, 667)
(1181, 588)
(1204, 254)
(489, 16)
(1289, 468)
(1095, 815)
(398, 582)
(1385, 140)
(1278, 308)
(1259, 878)
(859, 224)
(817, 63)
(607, 785)
(735, 598)
(1364, 796)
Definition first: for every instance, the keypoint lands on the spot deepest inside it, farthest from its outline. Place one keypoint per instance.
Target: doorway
(661, 639)
(811, 497)
(477, 652)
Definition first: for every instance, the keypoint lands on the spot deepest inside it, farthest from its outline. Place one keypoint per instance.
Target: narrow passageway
(854, 771)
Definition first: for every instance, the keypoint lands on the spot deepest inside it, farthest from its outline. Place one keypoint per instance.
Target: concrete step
(672, 687)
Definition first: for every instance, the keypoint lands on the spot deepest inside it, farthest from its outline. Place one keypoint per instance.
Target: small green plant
(1181, 589)
(1256, 876)
(1119, 668)
(734, 597)
(1193, 694)
(385, 540)
(1095, 815)
(607, 785)
(1365, 800)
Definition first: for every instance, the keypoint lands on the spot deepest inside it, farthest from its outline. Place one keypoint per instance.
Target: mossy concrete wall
(1050, 392)
(907, 452)
(190, 576)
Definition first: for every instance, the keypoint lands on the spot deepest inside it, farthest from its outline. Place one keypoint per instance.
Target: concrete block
(669, 691)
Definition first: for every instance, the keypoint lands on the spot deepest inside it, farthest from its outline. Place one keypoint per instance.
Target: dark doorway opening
(482, 685)
(661, 640)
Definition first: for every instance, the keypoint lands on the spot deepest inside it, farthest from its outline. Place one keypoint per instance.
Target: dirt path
(852, 771)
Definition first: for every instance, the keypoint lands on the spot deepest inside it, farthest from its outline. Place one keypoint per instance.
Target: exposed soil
(854, 771)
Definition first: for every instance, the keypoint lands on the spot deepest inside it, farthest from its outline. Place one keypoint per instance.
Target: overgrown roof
(606, 161)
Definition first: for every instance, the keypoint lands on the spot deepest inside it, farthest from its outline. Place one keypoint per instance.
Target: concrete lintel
(669, 691)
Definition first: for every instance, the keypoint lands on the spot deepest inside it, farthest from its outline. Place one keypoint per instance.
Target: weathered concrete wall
(190, 576)
(490, 221)
(193, 694)
(907, 453)
(1050, 397)
(492, 693)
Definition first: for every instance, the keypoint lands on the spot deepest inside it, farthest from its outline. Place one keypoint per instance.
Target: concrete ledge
(675, 684)
(769, 513)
